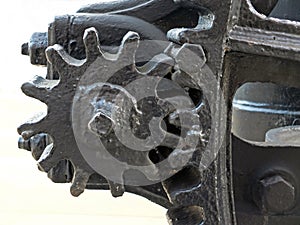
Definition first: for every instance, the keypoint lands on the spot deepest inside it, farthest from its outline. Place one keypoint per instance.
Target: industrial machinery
(192, 104)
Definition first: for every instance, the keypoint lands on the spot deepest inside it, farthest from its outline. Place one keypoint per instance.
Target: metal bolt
(35, 144)
(274, 194)
(36, 48)
(25, 49)
(24, 144)
(101, 124)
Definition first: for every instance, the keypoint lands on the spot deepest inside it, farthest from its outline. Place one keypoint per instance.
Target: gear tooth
(159, 65)
(183, 80)
(128, 48)
(31, 90)
(56, 55)
(32, 127)
(38, 143)
(48, 160)
(92, 43)
(39, 88)
(196, 56)
(62, 61)
(26, 134)
(117, 190)
(61, 173)
(79, 182)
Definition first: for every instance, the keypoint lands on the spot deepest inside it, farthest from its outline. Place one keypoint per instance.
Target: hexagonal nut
(275, 194)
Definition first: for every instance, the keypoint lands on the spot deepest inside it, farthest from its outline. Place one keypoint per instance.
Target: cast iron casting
(192, 104)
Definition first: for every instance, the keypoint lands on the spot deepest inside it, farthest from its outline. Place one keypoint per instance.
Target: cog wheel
(153, 120)
(59, 96)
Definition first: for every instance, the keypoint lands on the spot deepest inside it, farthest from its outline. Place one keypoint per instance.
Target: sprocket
(132, 126)
(60, 95)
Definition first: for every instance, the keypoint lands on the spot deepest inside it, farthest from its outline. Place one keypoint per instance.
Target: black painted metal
(240, 41)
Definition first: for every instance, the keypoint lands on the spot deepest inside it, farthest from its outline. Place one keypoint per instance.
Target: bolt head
(36, 48)
(101, 124)
(275, 194)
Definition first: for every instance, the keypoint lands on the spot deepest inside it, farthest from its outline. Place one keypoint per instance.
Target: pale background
(27, 196)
